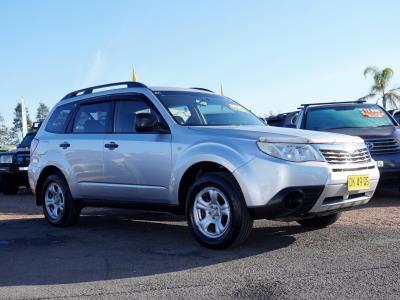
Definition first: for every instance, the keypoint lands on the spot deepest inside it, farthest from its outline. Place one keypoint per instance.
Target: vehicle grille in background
(346, 157)
(23, 160)
(383, 145)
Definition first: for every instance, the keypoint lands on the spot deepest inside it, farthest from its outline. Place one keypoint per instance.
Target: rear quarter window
(59, 118)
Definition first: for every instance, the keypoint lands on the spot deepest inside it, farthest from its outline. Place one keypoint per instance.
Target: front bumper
(389, 168)
(266, 182)
(15, 176)
(288, 203)
(14, 173)
(13, 168)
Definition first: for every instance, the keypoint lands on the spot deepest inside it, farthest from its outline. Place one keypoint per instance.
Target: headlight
(291, 152)
(6, 159)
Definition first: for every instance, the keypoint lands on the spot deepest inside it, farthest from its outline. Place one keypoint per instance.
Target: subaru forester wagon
(192, 152)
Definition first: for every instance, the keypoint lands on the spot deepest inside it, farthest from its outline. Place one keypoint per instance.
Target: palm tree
(380, 87)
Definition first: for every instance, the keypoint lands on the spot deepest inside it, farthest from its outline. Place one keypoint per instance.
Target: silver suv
(192, 152)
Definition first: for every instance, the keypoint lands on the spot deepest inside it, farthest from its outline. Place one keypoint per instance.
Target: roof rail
(201, 89)
(89, 90)
(340, 102)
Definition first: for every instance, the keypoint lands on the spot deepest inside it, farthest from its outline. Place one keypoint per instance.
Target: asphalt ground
(124, 254)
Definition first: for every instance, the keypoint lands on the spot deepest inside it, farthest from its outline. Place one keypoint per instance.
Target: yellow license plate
(358, 182)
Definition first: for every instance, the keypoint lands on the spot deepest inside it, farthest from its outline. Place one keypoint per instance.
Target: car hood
(8, 152)
(23, 150)
(369, 133)
(278, 134)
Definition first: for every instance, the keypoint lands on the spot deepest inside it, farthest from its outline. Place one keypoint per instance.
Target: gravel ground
(381, 212)
(125, 254)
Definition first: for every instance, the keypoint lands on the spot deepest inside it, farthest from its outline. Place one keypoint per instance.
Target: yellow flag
(133, 74)
(222, 91)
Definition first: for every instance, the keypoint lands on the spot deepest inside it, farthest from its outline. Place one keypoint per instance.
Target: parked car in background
(193, 152)
(283, 120)
(369, 121)
(395, 114)
(14, 164)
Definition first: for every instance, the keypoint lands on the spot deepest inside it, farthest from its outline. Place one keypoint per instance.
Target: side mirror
(146, 122)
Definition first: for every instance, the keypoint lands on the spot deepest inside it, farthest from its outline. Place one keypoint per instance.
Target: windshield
(26, 142)
(201, 109)
(347, 116)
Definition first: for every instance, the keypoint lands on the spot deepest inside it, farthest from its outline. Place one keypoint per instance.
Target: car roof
(338, 104)
(131, 86)
(176, 89)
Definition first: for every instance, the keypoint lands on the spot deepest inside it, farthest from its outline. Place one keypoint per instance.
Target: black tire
(72, 209)
(9, 187)
(240, 224)
(320, 222)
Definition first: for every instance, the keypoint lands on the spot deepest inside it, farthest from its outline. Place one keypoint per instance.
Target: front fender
(221, 154)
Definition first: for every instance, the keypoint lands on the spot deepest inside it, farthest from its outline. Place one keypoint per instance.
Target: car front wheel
(59, 207)
(217, 213)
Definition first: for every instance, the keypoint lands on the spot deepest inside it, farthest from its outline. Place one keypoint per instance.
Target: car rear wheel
(216, 211)
(59, 207)
(320, 222)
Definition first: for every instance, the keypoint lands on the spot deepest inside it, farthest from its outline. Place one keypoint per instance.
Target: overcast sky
(268, 55)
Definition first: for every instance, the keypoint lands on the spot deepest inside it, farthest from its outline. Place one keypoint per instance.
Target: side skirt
(145, 206)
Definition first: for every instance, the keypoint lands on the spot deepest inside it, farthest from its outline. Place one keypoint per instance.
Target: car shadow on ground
(116, 244)
(112, 245)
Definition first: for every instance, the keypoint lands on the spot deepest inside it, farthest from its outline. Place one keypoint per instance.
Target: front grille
(387, 145)
(352, 169)
(346, 157)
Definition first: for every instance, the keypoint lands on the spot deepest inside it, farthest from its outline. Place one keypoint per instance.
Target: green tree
(17, 122)
(6, 135)
(380, 87)
(42, 111)
(3, 132)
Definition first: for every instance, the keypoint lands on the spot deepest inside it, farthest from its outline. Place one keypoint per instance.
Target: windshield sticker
(236, 107)
(372, 113)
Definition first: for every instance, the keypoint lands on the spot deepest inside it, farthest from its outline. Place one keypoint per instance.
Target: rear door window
(94, 118)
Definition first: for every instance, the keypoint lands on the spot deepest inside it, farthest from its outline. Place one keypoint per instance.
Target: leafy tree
(7, 137)
(380, 88)
(42, 111)
(17, 122)
(3, 131)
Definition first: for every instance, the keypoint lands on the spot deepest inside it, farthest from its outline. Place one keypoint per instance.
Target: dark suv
(283, 120)
(369, 121)
(14, 164)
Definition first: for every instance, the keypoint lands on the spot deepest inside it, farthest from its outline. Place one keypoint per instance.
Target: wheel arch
(47, 171)
(194, 171)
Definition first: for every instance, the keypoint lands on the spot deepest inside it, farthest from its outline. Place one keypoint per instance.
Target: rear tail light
(34, 144)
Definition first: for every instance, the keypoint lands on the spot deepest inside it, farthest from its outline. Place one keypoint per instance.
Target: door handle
(111, 145)
(65, 145)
